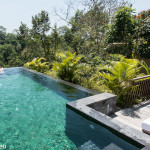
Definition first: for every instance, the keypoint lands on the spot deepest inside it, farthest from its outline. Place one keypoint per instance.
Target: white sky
(12, 12)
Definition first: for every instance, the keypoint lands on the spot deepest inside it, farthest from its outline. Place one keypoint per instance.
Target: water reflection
(65, 91)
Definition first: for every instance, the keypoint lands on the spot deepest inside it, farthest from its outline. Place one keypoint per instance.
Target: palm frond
(145, 66)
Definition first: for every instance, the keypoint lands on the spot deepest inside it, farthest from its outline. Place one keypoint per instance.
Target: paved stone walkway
(134, 116)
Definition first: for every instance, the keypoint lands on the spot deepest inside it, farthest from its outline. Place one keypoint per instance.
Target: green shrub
(38, 64)
(67, 67)
(118, 77)
(145, 66)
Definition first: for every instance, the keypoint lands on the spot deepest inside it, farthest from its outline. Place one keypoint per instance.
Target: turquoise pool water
(33, 116)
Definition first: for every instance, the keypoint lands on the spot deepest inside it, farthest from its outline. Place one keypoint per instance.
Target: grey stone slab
(104, 102)
(96, 98)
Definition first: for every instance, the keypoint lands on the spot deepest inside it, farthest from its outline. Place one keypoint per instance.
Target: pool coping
(80, 106)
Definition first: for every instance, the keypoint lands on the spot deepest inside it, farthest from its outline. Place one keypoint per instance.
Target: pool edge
(64, 82)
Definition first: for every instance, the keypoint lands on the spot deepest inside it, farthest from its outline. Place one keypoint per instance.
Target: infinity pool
(33, 116)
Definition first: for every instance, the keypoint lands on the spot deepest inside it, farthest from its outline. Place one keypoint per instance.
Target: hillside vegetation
(97, 50)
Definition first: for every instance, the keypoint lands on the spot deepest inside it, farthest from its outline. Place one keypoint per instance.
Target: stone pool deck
(134, 116)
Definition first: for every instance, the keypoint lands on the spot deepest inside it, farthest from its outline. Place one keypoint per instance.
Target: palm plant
(37, 64)
(145, 66)
(67, 67)
(118, 77)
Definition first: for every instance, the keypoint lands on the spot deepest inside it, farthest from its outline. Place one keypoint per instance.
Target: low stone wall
(105, 103)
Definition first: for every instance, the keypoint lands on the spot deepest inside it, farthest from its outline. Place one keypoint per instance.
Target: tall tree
(23, 35)
(97, 19)
(40, 28)
(55, 38)
(76, 28)
(123, 29)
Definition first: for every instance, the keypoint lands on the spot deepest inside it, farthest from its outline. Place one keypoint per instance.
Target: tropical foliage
(38, 64)
(145, 66)
(67, 67)
(95, 50)
(118, 76)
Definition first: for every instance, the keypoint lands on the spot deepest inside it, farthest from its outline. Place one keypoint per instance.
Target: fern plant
(67, 67)
(37, 64)
(118, 77)
(145, 66)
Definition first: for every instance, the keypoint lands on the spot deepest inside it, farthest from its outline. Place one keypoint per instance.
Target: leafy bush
(118, 77)
(85, 76)
(143, 48)
(37, 64)
(113, 57)
(145, 66)
(67, 67)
